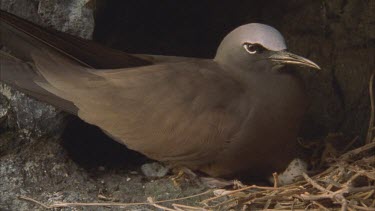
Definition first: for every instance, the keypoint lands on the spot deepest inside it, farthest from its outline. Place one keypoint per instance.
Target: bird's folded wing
(153, 107)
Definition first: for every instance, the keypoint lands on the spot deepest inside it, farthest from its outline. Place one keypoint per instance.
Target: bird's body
(203, 114)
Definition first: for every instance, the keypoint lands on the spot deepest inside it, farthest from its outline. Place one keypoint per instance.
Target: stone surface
(29, 117)
(154, 169)
(71, 16)
(43, 170)
(339, 36)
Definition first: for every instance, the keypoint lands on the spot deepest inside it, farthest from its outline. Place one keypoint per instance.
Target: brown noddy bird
(237, 114)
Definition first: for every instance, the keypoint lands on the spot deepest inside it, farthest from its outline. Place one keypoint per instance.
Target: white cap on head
(262, 34)
(255, 33)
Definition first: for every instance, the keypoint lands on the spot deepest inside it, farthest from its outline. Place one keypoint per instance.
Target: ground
(54, 169)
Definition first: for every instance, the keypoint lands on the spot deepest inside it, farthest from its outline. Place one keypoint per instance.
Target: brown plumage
(237, 114)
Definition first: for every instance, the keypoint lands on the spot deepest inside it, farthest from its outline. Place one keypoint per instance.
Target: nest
(346, 183)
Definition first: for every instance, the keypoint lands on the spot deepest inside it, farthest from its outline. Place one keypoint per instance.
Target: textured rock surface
(29, 117)
(72, 16)
(43, 169)
(340, 36)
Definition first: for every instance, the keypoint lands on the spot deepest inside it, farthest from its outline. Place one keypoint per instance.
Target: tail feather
(85, 51)
(23, 77)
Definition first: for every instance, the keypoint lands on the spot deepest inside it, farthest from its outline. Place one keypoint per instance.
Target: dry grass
(347, 183)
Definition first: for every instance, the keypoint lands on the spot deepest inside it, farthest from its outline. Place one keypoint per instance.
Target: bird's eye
(253, 48)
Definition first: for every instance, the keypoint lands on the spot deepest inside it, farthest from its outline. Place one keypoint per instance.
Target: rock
(4, 109)
(43, 170)
(29, 117)
(72, 16)
(154, 169)
(336, 35)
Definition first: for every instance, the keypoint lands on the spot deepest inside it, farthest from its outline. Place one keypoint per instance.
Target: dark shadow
(180, 28)
(88, 146)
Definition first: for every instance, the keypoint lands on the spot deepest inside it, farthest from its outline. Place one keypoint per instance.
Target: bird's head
(255, 45)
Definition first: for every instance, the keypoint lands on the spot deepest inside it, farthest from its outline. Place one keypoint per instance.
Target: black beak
(286, 58)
